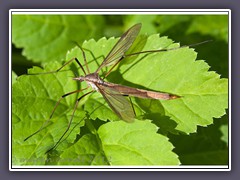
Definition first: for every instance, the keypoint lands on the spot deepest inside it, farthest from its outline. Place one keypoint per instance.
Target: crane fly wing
(123, 44)
(119, 103)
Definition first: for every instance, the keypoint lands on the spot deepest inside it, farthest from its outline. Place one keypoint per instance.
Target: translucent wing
(119, 103)
(121, 47)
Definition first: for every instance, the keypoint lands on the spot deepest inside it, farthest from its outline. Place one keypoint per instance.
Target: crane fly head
(80, 78)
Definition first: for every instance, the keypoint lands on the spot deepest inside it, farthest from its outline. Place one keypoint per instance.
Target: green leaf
(217, 26)
(203, 94)
(136, 144)
(46, 38)
(98, 108)
(85, 152)
(122, 144)
(170, 23)
(203, 25)
(224, 130)
(202, 148)
(147, 20)
(190, 29)
(14, 77)
(34, 98)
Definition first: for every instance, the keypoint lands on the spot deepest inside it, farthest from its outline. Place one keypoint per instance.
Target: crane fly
(116, 95)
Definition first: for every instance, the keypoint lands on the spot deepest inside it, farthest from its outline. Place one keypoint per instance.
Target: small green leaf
(14, 77)
(136, 144)
(46, 38)
(224, 130)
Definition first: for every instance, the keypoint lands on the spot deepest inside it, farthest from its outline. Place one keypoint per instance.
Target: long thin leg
(84, 57)
(70, 122)
(55, 107)
(112, 68)
(170, 49)
(68, 62)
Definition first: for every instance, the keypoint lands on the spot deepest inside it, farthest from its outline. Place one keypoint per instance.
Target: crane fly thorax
(91, 79)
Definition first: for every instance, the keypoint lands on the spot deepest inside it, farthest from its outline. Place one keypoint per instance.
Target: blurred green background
(185, 29)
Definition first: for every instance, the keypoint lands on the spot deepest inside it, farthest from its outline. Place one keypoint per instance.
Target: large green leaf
(46, 38)
(136, 144)
(203, 94)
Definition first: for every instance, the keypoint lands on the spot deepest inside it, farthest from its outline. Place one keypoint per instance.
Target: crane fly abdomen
(140, 93)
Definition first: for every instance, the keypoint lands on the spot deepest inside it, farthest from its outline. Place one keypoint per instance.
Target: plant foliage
(97, 136)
